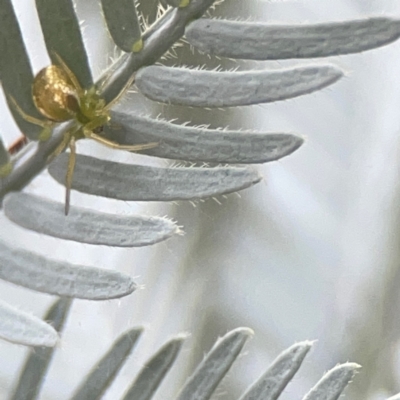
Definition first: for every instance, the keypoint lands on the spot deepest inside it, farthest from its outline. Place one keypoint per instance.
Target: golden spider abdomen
(54, 94)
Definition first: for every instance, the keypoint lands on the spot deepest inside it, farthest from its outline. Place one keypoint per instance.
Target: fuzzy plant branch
(198, 144)
(87, 113)
(200, 385)
(157, 41)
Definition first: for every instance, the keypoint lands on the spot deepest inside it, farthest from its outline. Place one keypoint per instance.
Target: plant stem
(157, 41)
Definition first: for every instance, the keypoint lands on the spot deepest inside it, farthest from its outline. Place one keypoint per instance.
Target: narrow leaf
(59, 278)
(271, 384)
(203, 382)
(198, 88)
(142, 183)
(63, 36)
(19, 327)
(332, 384)
(123, 24)
(83, 225)
(5, 164)
(34, 371)
(104, 372)
(15, 70)
(258, 41)
(154, 371)
(189, 143)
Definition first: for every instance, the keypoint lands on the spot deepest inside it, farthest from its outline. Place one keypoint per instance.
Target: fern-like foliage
(182, 86)
(200, 385)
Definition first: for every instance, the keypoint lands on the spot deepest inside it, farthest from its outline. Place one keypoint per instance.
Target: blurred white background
(312, 252)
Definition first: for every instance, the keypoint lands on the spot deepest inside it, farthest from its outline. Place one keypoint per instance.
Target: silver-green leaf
(142, 183)
(198, 88)
(260, 41)
(15, 70)
(104, 372)
(195, 144)
(123, 24)
(332, 384)
(205, 379)
(42, 274)
(22, 328)
(154, 371)
(34, 371)
(271, 384)
(84, 225)
(63, 36)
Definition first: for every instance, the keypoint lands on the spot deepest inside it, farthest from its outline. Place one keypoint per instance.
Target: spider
(59, 97)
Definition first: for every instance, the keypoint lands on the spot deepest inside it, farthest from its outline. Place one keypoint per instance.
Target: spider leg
(70, 74)
(61, 147)
(121, 93)
(114, 145)
(27, 117)
(70, 173)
